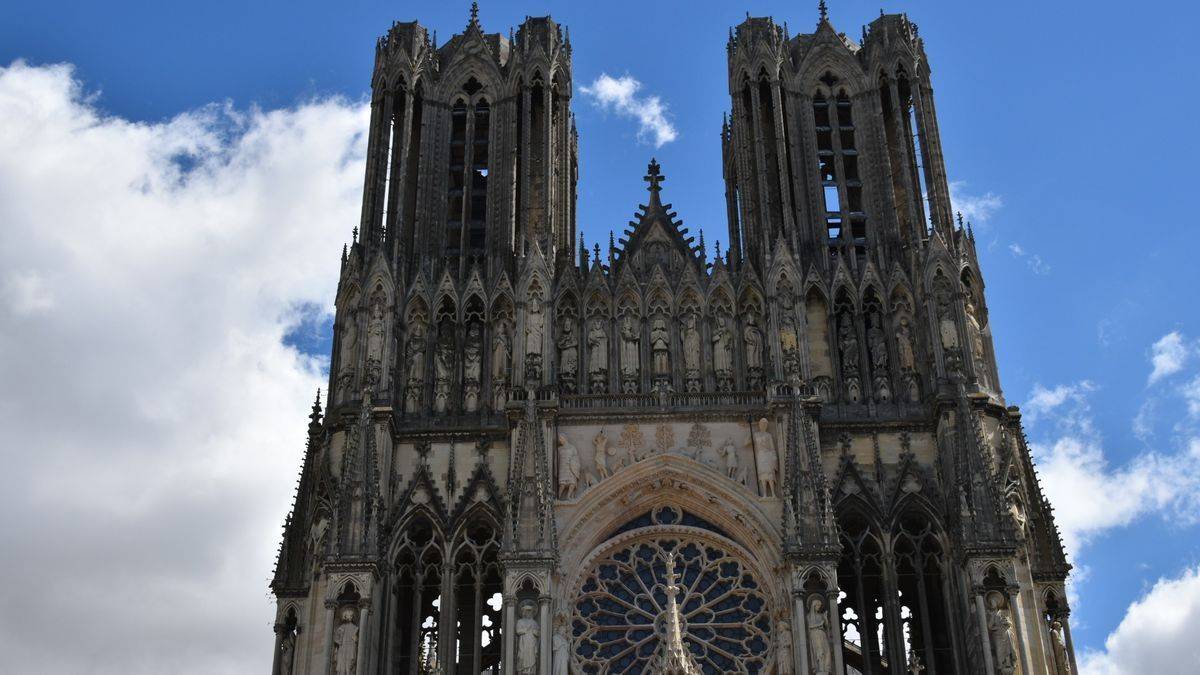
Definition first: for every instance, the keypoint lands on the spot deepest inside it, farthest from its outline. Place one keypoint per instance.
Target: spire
(655, 178)
(474, 22)
(823, 9)
(314, 417)
(676, 660)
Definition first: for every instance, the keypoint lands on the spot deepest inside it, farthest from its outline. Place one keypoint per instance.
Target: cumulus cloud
(620, 95)
(1159, 634)
(1168, 356)
(974, 207)
(153, 419)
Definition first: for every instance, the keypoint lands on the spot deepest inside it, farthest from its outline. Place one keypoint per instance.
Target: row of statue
(631, 447)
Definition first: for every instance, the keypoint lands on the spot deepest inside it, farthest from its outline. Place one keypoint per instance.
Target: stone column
(278, 644)
(984, 635)
(835, 628)
(360, 662)
(510, 624)
(1066, 624)
(800, 633)
(547, 631)
(326, 650)
(1019, 627)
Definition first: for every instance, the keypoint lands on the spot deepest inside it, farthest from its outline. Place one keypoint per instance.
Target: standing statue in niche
(346, 360)
(660, 346)
(722, 347)
(501, 352)
(568, 354)
(568, 468)
(789, 342)
(287, 652)
(975, 332)
(597, 341)
(783, 648)
(753, 338)
(600, 454)
(818, 637)
(416, 368)
(1017, 512)
(528, 631)
(561, 651)
(535, 332)
(443, 366)
(904, 345)
(999, 627)
(376, 330)
(691, 353)
(629, 354)
(766, 460)
(472, 366)
(848, 349)
(345, 640)
(1062, 660)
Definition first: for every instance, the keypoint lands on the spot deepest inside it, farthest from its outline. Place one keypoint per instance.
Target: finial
(475, 13)
(597, 250)
(703, 248)
(717, 248)
(343, 253)
(355, 236)
(824, 10)
(960, 219)
(654, 177)
(314, 417)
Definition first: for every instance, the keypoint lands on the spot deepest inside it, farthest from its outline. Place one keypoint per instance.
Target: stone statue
(600, 454)
(729, 455)
(904, 345)
(947, 331)
(472, 365)
(416, 353)
(562, 653)
(568, 348)
(783, 648)
(766, 460)
(1062, 660)
(691, 347)
(1000, 631)
(501, 350)
(789, 344)
(375, 332)
(443, 366)
(568, 468)
(345, 641)
(848, 349)
(597, 348)
(349, 342)
(818, 638)
(722, 344)
(535, 326)
(1017, 512)
(915, 667)
(877, 345)
(629, 349)
(752, 336)
(975, 333)
(528, 631)
(287, 653)
(660, 346)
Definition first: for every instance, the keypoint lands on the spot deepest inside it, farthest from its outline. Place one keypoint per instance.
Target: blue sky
(1069, 138)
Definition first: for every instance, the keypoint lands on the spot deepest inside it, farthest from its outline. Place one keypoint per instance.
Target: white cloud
(976, 208)
(154, 421)
(1191, 396)
(621, 96)
(1168, 356)
(1159, 634)
(1033, 260)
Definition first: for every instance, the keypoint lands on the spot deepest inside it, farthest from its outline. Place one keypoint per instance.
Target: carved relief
(766, 459)
(568, 468)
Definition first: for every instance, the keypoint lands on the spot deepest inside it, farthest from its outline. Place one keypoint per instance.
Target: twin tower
(790, 457)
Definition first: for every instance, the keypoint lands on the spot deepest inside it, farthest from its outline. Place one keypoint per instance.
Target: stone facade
(790, 457)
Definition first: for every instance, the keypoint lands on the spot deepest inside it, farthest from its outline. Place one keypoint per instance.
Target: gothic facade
(790, 457)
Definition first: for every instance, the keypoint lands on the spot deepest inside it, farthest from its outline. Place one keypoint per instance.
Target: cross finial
(824, 10)
(654, 177)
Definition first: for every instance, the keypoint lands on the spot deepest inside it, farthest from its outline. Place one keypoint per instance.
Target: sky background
(177, 179)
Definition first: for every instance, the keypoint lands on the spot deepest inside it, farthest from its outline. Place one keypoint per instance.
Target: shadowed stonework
(792, 456)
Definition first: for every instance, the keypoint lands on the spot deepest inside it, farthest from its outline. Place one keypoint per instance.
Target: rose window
(619, 624)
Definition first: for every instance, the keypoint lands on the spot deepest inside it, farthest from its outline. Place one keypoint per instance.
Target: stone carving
(660, 348)
(789, 342)
(783, 648)
(975, 334)
(699, 440)
(1017, 512)
(729, 459)
(722, 353)
(631, 442)
(535, 332)
(753, 338)
(766, 460)
(501, 353)
(376, 330)
(443, 366)
(904, 345)
(630, 341)
(287, 653)
(820, 657)
(848, 350)
(472, 366)
(568, 355)
(345, 644)
(416, 368)
(349, 342)
(664, 438)
(693, 374)
(600, 453)
(597, 341)
(1062, 660)
(999, 627)
(562, 651)
(528, 631)
(915, 667)
(676, 659)
(568, 468)
(877, 347)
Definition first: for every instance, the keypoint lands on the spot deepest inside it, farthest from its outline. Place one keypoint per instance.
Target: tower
(792, 458)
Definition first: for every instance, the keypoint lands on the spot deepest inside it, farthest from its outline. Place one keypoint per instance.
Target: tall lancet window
(466, 196)
(838, 170)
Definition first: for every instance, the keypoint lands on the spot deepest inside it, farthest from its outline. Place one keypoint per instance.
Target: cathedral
(792, 456)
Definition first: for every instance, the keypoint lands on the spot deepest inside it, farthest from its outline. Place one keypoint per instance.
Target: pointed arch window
(467, 179)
